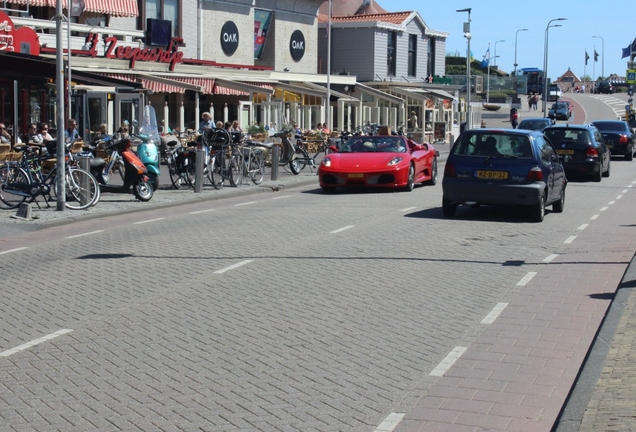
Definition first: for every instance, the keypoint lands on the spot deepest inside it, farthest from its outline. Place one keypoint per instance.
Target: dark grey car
(618, 137)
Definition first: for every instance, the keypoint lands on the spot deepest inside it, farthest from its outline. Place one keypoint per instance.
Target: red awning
(227, 90)
(122, 8)
(206, 83)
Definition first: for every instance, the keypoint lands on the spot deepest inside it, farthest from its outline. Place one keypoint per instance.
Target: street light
(517, 34)
(603, 54)
(468, 86)
(545, 64)
(496, 48)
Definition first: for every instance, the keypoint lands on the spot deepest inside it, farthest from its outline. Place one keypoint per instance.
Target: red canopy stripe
(123, 8)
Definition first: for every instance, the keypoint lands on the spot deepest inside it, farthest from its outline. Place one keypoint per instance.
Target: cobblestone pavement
(515, 376)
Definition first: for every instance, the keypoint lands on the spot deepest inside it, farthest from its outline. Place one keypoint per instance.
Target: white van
(555, 93)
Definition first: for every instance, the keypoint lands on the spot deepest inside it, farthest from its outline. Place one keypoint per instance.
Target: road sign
(631, 76)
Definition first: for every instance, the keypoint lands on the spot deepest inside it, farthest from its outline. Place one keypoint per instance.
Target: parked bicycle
(225, 160)
(252, 163)
(25, 179)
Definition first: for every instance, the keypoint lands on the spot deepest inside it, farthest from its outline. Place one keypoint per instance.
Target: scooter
(147, 145)
(136, 179)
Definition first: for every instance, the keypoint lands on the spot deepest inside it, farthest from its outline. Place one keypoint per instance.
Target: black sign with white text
(229, 38)
(297, 45)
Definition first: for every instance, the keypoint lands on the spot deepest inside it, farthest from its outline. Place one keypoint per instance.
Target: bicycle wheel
(8, 174)
(235, 168)
(175, 177)
(300, 161)
(82, 190)
(216, 173)
(256, 167)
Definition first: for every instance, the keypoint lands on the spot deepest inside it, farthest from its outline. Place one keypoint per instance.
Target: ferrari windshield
(374, 144)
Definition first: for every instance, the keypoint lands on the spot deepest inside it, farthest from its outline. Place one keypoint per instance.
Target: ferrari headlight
(395, 161)
(326, 162)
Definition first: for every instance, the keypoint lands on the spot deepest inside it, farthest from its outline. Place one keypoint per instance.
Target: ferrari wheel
(433, 180)
(410, 183)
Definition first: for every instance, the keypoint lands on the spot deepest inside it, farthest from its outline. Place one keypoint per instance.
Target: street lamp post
(517, 34)
(603, 54)
(496, 49)
(468, 86)
(545, 64)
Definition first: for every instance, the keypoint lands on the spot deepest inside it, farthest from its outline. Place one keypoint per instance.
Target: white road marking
(619, 197)
(85, 234)
(245, 203)
(233, 266)
(448, 361)
(7, 353)
(281, 197)
(390, 422)
(201, 211)
(611, 202)
(582, 227)
(527, 278)
(624, 191)
(341, 229)
(550, 257)
(604, 208)
(149, 220)
(407, 209)
(494, 313)
(595, 217)
(13, 250)
(569, 239)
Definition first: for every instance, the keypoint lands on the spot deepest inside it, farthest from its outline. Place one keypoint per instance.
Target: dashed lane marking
(27, 345)
(569, 239)
(595, 217)
(619, 197)
(341, 229)
(147, 221)
(494, 313)
(233, 266)
(604, 208)
(201, 211)
(549, 258)
(625, 191)
(527, 278)
(390, 422)
(448, 361)
(611, 203)
(281, 197)
(245, 203)
(13, 250)
(84, 234)
(407, 209)
(582, 227)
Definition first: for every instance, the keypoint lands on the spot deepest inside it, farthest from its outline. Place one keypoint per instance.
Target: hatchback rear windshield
(612, 126)
(484, 144)
(559, 135)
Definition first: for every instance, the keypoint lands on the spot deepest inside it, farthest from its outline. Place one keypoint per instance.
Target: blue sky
(494, 20)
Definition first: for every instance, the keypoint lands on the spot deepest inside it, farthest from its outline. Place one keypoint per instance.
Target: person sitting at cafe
(43, 130)
(101, 133)
(5, 137)
(32, 137)
(206, 122)
(70, 133)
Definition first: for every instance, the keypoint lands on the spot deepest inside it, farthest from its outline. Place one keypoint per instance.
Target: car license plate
(565, 151)
(356, 175)
(491, 175)
(610, 146)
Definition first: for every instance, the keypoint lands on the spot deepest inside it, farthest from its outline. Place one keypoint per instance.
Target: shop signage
(229, 38)
(23, 40)
(170, 54)
(297, 45)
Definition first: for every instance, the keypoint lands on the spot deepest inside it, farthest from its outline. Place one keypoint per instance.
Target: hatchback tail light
(623, 139)
(449, 170)
(591, 152)
(535, 174)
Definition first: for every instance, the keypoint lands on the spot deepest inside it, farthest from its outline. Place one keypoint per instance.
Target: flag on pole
(627, 51)
(486, 60)
(587, 57)
(595, 55)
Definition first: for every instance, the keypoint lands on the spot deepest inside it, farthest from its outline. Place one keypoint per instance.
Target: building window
(162, 9)
(391, 64)
(412, 55)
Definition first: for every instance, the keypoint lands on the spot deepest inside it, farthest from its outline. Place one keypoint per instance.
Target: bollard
(85, 164)
(199, 168)
(275, 159)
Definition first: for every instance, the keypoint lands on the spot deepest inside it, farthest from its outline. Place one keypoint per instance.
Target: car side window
(547, 152)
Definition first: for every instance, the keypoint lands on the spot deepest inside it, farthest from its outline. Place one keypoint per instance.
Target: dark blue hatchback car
(504, 167)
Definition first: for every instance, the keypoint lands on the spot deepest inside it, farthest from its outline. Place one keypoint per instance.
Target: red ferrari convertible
(383, 161)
